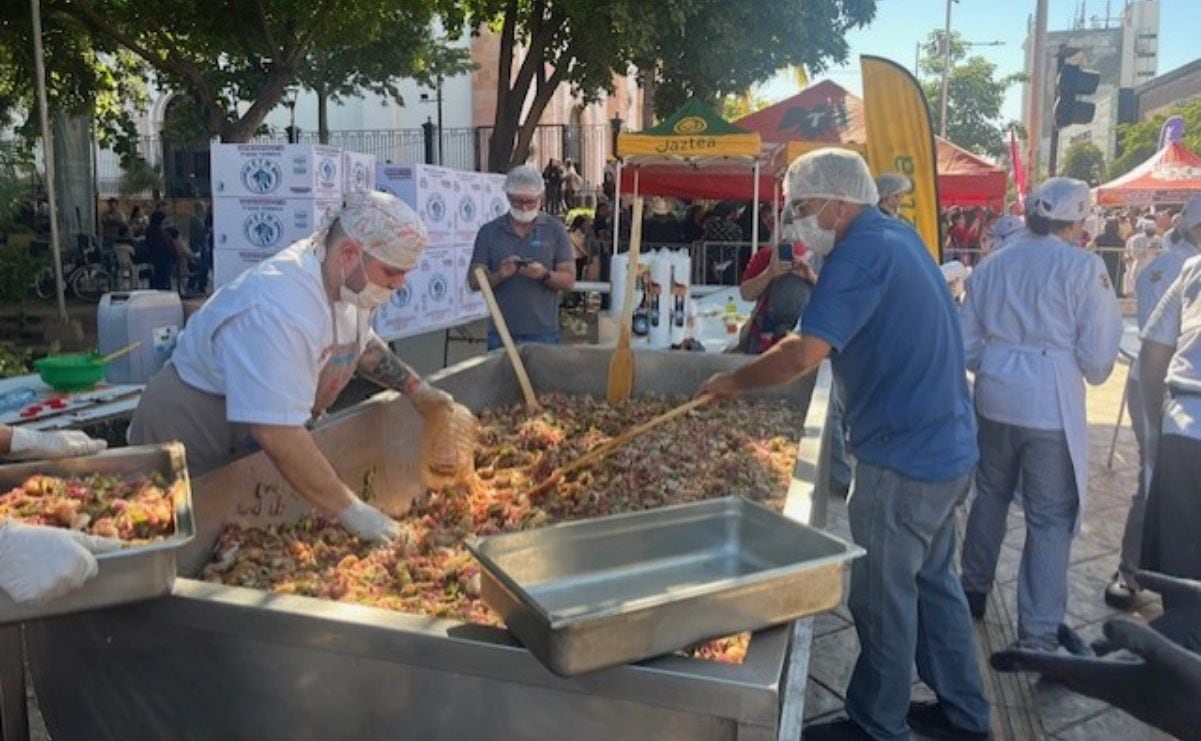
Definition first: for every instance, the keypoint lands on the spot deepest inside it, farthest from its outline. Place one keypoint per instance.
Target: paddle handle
(123, 351)
(607, 447)
(502, 329)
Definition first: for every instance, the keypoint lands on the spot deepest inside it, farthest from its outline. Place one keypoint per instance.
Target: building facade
(1159, 95)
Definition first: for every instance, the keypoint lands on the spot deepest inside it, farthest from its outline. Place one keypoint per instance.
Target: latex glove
(1181, 619)
(1159, 686)
(427, 399)
(32, 444)
(41, 563)
(368, 523)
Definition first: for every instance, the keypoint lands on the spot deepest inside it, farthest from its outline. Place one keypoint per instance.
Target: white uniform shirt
(1141, 249)
(1030, 307)
(1176, 322)
(262, 340)
(1154, 280)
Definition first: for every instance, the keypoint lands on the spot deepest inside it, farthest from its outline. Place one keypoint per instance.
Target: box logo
(437, 287)
(402, 297)
(327, 171)
(467, 209)
(261, 175)
(435, 206)
(498, 207)
(358, 176)
(263, 230)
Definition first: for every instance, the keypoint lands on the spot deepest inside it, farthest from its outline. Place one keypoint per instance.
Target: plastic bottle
(17, 398)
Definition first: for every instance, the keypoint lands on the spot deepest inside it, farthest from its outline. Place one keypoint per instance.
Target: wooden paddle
(118, 353)
(607, 447)
(502, 329)
(621, 365)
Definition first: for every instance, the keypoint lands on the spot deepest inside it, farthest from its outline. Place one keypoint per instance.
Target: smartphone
(521, 262)
(784, 250)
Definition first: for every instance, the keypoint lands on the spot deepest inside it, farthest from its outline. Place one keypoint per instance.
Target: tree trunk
(648, 100)
(322, 116)
(525, 133)
(267, 98)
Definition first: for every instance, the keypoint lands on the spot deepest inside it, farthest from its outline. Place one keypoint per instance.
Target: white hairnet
(1006, 226)
(832, 173)
(892, 183)
(385, 226)
(1060, 199)
(524, 180)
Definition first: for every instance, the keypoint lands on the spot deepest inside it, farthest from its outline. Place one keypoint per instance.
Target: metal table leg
(1113, 442)
(14, 713)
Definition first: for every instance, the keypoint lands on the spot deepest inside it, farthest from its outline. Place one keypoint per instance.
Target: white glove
(427, 399)
(31, 444)
(41, 563)
(368, 523)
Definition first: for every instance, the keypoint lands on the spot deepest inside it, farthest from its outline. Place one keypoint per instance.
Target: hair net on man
(386, 227)
(832, 173)
(524, 180)
(893, 183)
(1006, 227)
(1190, 217)
(1060, 199)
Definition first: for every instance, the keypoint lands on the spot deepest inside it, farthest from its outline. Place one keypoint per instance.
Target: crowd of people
(179, 259)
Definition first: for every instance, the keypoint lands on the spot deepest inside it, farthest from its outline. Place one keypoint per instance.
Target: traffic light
(1073, 83)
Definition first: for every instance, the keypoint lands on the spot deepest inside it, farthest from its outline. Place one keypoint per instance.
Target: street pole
(946, 72)
(440, 120)
(48, 155)
(1038, 75)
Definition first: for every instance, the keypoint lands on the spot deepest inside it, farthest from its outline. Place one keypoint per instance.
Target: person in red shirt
(762, 272)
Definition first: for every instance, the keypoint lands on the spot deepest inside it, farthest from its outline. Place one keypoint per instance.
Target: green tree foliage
(975, 95)
(704, 48)
(16, 174)
(236, 59)
(1083, 161)
(734, 107)
(84, 76)
(1137, 141)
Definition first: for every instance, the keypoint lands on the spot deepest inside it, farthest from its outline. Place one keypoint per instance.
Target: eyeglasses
(802, 208)
(525, 201)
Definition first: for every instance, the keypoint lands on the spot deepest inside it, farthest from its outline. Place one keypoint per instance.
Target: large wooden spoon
(621, 365)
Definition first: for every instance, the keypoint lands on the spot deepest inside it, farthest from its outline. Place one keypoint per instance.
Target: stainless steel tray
(597, 593)
(128, 574)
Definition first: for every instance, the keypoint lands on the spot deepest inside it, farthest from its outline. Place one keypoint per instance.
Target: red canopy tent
(827, 113)
(1171, 175)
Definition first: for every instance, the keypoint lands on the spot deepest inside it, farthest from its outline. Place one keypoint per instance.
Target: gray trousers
(1042, 460)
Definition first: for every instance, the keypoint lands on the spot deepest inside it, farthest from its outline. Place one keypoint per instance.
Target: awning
(695, 131)
(1171, 175)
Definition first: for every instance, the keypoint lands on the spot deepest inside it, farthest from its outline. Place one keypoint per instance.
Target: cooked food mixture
(739, 447)
(134, 510)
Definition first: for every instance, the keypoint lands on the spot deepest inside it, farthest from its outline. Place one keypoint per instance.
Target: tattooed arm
(380, 365)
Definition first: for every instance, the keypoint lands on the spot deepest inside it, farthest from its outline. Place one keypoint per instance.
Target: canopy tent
(826, 114)
(1171, 175)
(694, 153)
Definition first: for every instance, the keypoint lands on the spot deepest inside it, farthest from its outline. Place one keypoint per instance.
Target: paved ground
(1056, 712)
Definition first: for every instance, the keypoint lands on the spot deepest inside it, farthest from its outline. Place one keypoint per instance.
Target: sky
(900, 24)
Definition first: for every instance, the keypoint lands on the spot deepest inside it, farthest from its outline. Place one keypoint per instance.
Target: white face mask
(820, 241)
(369, 297)
(522, 216)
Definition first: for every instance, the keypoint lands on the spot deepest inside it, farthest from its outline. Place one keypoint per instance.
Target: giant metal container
(153, 318)
(212, 661)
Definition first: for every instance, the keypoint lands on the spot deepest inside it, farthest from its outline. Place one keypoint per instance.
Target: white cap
(1006, 226)
(1145, 224)
(954, 270)
(1190, 217)
(385, 227)
(832, 173)
(1060, 199)
(524, 180)
(892, 183)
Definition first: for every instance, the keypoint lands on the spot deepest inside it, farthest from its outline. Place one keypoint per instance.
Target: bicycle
(86, 273)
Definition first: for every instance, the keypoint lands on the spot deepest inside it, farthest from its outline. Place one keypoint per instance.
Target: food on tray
(739, 447)
(135, 510)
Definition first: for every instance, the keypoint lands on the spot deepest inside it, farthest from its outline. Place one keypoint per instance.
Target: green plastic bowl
(74, 372)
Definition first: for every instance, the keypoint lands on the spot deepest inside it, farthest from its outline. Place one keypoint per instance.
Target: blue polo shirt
(528, 306)
(883, 306)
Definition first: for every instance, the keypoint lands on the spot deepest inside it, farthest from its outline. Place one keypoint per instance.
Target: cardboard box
(429, 190)
(276, 171)
(496, 204)
(428, 299)
(267, 223)
(358, 172)
(470, 200)
(229, 264)
(471, 303)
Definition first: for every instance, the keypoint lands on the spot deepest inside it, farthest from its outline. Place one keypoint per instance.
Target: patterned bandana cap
(1060, 199)
(385, 226)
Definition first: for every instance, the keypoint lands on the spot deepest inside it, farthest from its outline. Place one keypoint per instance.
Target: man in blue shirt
(883, 315)
(528, 258)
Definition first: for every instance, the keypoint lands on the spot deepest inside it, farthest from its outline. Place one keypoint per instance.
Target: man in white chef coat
(272, 350)
(1040, 319)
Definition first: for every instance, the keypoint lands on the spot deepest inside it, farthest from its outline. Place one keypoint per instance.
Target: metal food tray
(124, 575)
(587, 595)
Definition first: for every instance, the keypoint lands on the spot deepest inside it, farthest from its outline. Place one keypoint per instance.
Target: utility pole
(1038, 76)
(946, 72)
